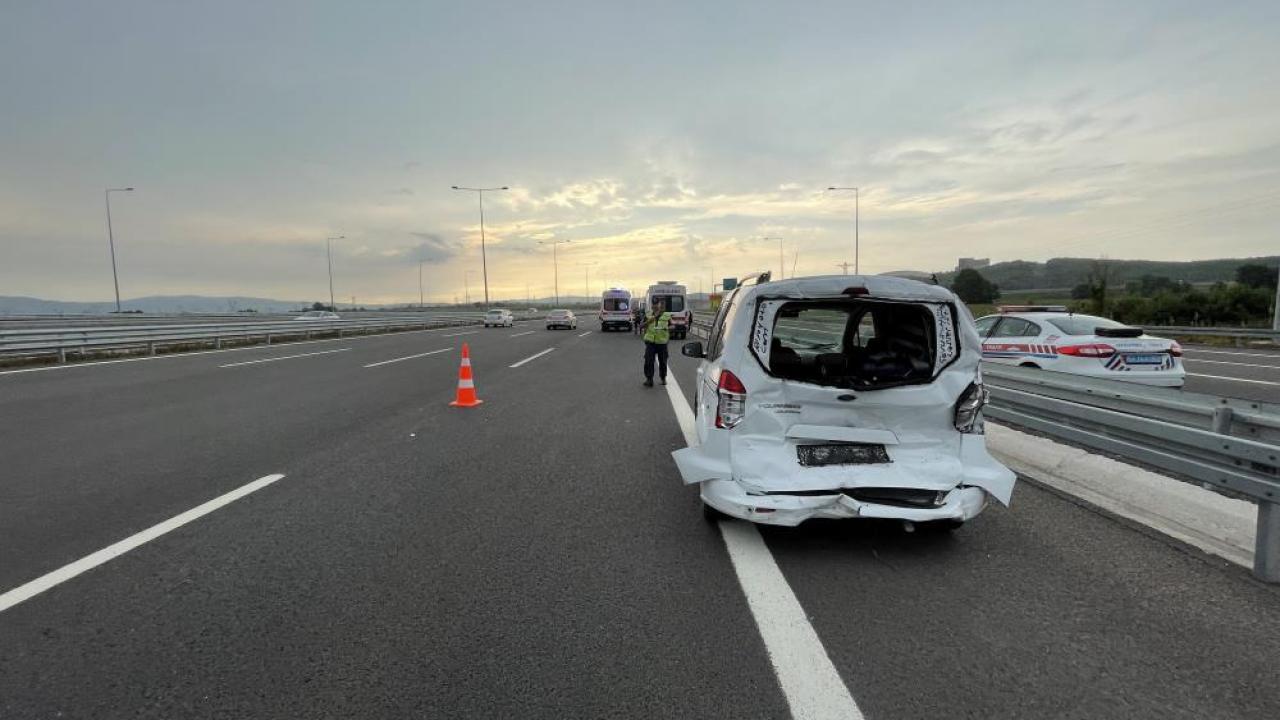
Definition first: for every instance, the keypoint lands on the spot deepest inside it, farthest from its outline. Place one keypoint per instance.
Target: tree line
(1154, 299)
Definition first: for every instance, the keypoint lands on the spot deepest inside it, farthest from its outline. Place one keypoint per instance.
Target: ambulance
(615, 309)
(673, 299)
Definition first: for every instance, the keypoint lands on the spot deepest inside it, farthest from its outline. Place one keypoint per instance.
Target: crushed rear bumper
(730, 498)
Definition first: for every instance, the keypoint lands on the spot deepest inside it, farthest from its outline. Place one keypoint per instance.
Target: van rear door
(848, 392)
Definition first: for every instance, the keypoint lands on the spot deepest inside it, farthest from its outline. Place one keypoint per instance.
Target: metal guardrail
(83, 340)
(1239, 334)
(1230, 444)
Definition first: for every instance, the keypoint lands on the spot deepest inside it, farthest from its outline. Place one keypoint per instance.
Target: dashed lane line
(535, 356)
(526, 332)
(1189, 351)
(1224, 362)
(89, 562)
(584, 334)
(810, 682)
(408, 357)
(283, 357)
(1233, 379)
(469, 332)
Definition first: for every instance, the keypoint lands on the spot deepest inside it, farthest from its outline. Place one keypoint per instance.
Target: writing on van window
(853, 344)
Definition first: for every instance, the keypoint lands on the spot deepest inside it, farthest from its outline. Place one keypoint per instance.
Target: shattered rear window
(856, 344)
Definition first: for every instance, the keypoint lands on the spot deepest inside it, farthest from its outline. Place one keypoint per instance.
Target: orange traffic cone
(466, 385)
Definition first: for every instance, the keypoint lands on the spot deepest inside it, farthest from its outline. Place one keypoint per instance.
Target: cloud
(432, 249)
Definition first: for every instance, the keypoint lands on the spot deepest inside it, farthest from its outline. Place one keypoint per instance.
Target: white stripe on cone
(466, 383)
(466, 362)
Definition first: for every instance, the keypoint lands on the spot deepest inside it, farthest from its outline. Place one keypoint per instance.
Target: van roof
(881, 286)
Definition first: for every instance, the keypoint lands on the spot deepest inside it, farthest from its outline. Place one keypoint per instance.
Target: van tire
(713, 515)
(1031, 365)
(939, 526)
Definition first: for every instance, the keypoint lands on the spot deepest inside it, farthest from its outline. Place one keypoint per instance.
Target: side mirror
(692, 349)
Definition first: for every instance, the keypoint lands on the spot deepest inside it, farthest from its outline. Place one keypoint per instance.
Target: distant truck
(673, 299)
(615, 309)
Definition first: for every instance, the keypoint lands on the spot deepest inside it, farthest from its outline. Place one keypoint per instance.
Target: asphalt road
(537, 557)
(1250, 373)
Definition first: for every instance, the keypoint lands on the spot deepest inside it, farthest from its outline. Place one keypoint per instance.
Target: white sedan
(318, 315)
(1051, 338)
(499, 318)
(562, 318)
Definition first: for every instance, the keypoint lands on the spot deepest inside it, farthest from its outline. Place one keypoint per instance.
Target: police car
(1051, 338)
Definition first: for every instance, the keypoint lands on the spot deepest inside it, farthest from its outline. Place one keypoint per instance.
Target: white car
(318, 315)
(1050, 338)
(499, 318)
(842, 397)
(562, 319)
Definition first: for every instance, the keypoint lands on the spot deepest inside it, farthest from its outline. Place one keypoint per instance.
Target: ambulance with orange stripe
(1049, 337)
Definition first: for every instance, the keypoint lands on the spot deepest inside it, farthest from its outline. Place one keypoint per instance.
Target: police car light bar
(1031, 308)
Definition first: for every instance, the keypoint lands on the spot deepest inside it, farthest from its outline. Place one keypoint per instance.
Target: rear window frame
(936, 373)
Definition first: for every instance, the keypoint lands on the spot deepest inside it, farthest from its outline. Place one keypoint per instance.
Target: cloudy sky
(662, 140)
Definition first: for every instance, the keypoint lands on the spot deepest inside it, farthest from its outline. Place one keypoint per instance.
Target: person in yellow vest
(657, 330)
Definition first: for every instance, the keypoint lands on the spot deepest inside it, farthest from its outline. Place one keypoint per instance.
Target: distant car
(1050, 338)
(499, 318)
(318, 315)
(562, 319)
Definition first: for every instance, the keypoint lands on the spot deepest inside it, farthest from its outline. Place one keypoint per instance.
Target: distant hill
(1069, 272)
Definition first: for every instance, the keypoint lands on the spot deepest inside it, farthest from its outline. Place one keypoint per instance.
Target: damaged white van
(842, 397)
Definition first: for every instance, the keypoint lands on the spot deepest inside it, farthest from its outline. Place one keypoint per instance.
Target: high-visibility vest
(658, 331)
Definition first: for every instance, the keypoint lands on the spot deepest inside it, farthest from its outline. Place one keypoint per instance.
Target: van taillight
(733, 400)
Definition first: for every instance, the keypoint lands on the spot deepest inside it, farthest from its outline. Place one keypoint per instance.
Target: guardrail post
(1222, 420)
(1266, 548)
(268, 338)
(62, 355)
(217, 343)
(151, 348)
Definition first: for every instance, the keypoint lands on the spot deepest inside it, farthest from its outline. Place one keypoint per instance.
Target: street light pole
(466, 285)
(111, 240)
(555, 262)
(484, 258)
(843, 266)
(1275, 318)
(856, 270)
(420, 297)
(586, 279)
(328, 244)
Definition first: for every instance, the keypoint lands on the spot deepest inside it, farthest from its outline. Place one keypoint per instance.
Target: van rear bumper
(730, 498)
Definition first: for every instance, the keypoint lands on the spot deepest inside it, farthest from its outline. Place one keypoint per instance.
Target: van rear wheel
(712, 515)
(940, 526)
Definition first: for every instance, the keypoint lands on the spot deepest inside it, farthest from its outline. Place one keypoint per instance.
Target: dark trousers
(650, 350)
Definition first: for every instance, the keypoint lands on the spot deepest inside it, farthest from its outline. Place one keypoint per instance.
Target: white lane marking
(469, 332)
(1187, 351)
(531, 357)
(526, 332)
(1233, 379)
(584, 334)
(88, 562)
(1224, 362)
(408, 357)
(684, 413)
(283, 357)
(172, 356)
(810, 682)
